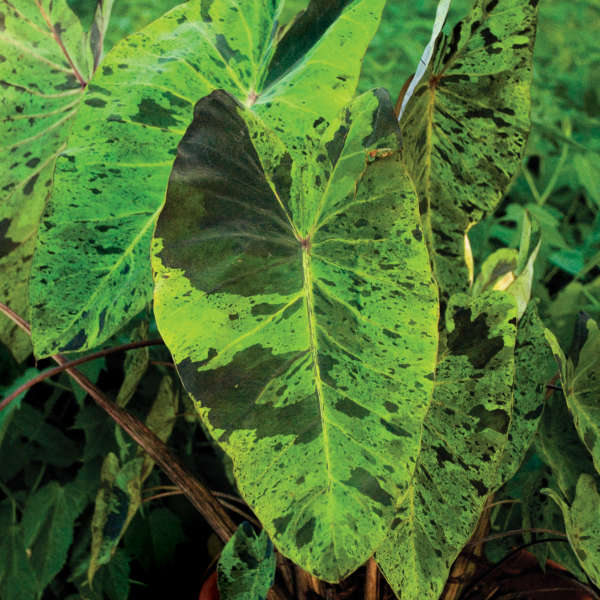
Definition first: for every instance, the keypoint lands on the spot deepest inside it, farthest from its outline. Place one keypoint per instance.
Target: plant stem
(68, 365)
(372, 580)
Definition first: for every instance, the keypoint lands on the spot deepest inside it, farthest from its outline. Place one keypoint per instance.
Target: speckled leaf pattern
(534, 368)
(581, 385)
(582, 523)
(246, 569)
(44, 58)
(110, 183)
(297, 301)
(466, 126)
(464, 437)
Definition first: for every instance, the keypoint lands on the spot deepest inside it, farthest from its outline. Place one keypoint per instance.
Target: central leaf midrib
(314, 350)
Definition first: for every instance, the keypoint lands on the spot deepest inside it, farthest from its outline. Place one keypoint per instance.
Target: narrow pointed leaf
(45, 58)
(464, 437)
(246, 568)
(582, 522)
(110, 182)
(297, 301)
(534, 368)
(466, 125)
(581, 385)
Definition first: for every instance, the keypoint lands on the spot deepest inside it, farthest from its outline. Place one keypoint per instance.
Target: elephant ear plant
(307, 255)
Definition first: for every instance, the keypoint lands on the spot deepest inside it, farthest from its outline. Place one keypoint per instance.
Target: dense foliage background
(52, 450)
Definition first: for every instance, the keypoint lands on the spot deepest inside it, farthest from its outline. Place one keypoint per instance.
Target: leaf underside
(296, 297)
(110, 182)
(466, 125)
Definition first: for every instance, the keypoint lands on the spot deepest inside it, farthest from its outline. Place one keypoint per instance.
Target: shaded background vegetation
(60, 436)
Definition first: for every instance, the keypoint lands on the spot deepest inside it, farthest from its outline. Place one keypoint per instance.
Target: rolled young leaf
(296, 298)
(465, 127)
(110, 182)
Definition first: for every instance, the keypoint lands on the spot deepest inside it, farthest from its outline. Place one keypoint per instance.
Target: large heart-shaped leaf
(464, 437)
(46, 59)
(296, 297)
(110, 183)
(466, 125)
(581, 385)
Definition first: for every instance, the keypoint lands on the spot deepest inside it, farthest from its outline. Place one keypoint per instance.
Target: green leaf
(464, 437)
(582, 522)
(247, 565)
(581, 385)
(92, 371)
(117, 501)
(296, 298)
(135, 366)
(48, 522)
(45, 58)
(7, 413)
(534, 368)
(161, 418)
(17, 577)
(465, 127)
(586, 166)
(95, 236)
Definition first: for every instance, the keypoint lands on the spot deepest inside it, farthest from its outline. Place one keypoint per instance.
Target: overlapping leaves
(46, 58)
(296, 297)
(466, 125)
(110, 182)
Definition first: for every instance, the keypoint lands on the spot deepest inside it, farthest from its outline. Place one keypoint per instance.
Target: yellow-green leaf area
(466, 125)
(110, 182)
(296, 297)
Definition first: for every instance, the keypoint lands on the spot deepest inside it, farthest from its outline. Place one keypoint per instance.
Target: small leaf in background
(135, 365)
(310, 360)
(6, 414)
(588, 171)
(465, 436)
(582, 523)
(246, 568)
(161, 418)
(92, 371)
(153, 536)
(48, 523)
(466, 125)
(581, 385)
(117, 501)
(18, 579)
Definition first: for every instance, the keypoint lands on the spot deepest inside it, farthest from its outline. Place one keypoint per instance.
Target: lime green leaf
(582, 522)
(581, 385)
(464, 437)
(117, 501)
(466, 125)
(534, 368)
(297, 301)
(246, 568)
(95, 237)
(45, 60)
(48, 522)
